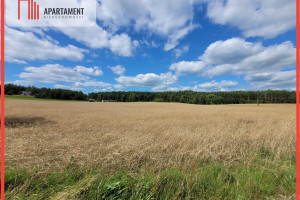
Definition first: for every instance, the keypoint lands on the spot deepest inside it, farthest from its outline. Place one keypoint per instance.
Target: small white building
(25, 93)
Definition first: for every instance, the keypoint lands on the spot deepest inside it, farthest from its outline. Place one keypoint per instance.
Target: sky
(161, 45)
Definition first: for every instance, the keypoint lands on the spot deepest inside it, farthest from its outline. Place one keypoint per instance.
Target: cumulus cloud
(52, 73)
(68, 87)
(236, 56)
(277, 80)
(174, 38)
(164, 18)
(95, 71)
(82, 85)
(188, 67)
(119, 70)
(22, 46)
(267, 18)
(258, 59)
(217, 86)
(230, 51)
(223, 85)
(162, 88)
(148, 80)
(182, 50)
(21, 82)
(97, 38)
(92, 83)
(78, 77)
(118, 86)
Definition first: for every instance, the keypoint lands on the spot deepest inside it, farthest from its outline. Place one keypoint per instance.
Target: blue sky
(143, 45)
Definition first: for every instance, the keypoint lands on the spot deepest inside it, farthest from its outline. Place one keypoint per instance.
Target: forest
(192, 97)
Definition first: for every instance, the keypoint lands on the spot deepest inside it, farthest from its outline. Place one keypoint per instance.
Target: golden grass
(48, 133)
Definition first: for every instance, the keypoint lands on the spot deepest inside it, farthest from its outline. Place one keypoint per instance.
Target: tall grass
(149, 150)
(204, 180)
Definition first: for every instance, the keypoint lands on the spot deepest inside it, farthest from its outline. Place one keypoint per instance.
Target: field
(83, 150)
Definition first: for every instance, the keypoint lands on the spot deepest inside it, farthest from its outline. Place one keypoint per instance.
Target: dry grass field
(46, 134)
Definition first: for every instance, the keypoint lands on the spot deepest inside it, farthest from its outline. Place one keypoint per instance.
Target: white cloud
(182, 50)
(26, 46)
(259, 59)
(164, 18)
(95, 71)
(92, 83)
(223, 85)
(82, 85)
(149, 43)
(57, 74)
(21, 82)
(119, 70)
(267, 18)
(188, 67)
(148, 80)
(162, 88)
(97, 38)
(174, 37)
(52, 73)
(67, 87)
(218, 86)
(118, 86)
(237, 57)
(230, 51)
(168, 78)
(278, 80)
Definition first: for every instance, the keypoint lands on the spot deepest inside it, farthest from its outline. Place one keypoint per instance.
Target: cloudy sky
(162, 45)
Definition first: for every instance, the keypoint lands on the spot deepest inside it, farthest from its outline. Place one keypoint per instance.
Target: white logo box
(68, 13)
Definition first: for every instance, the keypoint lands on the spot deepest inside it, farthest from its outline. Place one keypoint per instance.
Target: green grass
(20, 97)
(260, 179)
(33, 184)
(211, 181)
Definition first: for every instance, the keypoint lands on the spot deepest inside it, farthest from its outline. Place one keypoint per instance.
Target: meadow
(85, 150)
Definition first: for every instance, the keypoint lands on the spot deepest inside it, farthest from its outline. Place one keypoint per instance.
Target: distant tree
(233, 97)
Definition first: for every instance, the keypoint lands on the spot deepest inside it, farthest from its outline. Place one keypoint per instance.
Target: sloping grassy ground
(263, 178)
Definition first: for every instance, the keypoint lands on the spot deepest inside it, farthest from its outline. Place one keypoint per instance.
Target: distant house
(25, 93)
(91, 100)
(109, 100)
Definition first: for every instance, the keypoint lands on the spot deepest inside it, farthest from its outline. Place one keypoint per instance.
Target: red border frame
(297, 100)
(2, 100)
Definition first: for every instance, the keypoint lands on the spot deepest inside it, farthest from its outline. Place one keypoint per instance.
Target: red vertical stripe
(297, 103)
(18, 9)
(38, 12)
(28, 9)
(2, 100)
(34, 10)
(31, 9)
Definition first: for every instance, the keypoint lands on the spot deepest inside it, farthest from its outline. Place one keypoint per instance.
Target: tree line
(45, 93)
(192, 97)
